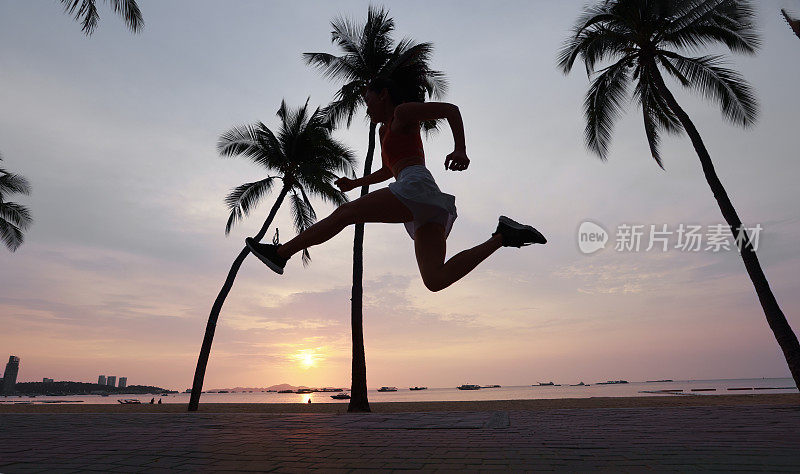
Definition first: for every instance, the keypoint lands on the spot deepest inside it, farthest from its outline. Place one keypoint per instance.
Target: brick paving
(748, 438)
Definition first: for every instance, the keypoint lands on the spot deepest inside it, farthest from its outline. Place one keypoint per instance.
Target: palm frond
(346, 35)
(85, 11)
(242, 199)
(256, 142)
(603, 105)
(13, 184)
(344, 105)
(11, 235)
(735, 97)
(16, 214)
(705, 23)
(130, 12)
(656, 113)
(304, 217)
(332, 67)
(593, 46)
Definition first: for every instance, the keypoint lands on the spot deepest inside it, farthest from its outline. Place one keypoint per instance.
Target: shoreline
(655, 401)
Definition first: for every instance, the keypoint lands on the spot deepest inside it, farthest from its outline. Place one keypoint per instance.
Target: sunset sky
(117, 135)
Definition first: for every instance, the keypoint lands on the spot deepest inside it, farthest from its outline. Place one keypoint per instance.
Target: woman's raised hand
(345, 184)
(456, 161)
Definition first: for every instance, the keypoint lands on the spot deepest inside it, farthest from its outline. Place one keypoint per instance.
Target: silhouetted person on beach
(794, 23)
(159, 401)
(413, 198)
(152, 400)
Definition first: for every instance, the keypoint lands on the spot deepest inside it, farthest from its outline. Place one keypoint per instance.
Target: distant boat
(341, 396)
(222, 391)
(285, 391)
(418, 388)
(304, 390)
(611, 382)
(665, 380)
(547, 384)
(387, 389)
(469, 387)
(130, 401)
(581, 384)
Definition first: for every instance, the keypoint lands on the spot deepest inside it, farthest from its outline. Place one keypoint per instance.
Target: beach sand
(406, 407)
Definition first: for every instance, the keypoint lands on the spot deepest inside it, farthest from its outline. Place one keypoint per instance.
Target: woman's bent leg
(377, 206)
(430, 246)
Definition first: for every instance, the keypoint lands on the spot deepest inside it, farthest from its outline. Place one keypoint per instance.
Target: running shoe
(268, 253)
(516, 234)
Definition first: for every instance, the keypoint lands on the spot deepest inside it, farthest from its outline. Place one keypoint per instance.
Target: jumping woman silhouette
(413, 199)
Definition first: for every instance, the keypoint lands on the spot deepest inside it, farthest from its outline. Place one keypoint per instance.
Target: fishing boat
(418, 388)
(304, 390)
(341, 396)
(469, 387)
(611, 382)
(387, 389)
(547, 384)
(129, 401)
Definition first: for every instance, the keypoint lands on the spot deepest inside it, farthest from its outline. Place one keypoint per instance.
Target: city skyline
(117, 134)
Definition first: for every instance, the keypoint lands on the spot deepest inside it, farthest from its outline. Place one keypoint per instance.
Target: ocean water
(632, 389)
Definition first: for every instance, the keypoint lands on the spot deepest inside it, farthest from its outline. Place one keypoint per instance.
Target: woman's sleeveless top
(397, 146)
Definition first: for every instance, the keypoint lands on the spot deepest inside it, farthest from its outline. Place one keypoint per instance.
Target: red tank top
(397, 146)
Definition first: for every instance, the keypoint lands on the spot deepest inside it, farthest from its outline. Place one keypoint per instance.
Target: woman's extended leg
(430, 246)
(377, 206)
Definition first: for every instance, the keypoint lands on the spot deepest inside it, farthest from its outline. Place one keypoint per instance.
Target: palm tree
(369, 52)
(14, 218)
(306, 159)
(646, 38)
(85, 11)
(794, 23)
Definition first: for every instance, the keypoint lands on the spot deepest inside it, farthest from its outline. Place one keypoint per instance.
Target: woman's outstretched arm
(346, 184)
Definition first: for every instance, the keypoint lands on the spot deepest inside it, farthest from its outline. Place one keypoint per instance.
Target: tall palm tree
(14, 218)
(85, 11)
(794, 23)
(370, 52)
(306, 159)
(646, 38)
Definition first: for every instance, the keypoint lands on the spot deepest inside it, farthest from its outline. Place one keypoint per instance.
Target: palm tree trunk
(786, 338)
(358, 384)
(205, 350)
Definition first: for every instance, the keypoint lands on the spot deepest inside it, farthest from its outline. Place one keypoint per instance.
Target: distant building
(111, 381)
(10, 375)
(46, 380)
(101, 380)
(123, 382)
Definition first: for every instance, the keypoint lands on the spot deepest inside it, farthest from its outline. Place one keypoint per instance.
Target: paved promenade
(750, 438)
